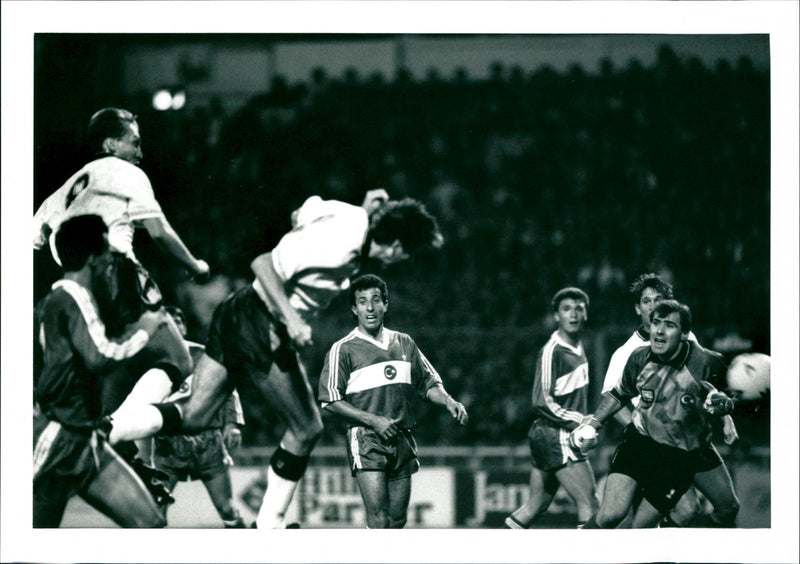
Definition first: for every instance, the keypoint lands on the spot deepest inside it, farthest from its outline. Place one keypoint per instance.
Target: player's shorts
(136, 292)
(62, 466)
(707, 458)
(550, 448)
(366, 451)
(663, 473)
(244, 333)
(192, 457)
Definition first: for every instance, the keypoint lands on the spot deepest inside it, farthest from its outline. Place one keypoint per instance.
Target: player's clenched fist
(716, 403)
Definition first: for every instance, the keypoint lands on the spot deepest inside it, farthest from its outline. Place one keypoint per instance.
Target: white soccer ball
(748, 376)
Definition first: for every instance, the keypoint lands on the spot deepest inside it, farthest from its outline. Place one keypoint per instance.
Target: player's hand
(232, 436)
(375, 199)
(386, 428)
(300, 333)
(716, 403)
(458, 411)
(584, 437)
(202, 272)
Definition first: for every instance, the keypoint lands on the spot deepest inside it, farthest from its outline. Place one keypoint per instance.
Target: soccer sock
(512, 523)
(139, 421)
(283, 474)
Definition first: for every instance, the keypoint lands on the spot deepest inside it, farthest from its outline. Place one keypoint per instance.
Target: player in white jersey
(115, 188)
(371, 379)
(258, 333)
(648, 290)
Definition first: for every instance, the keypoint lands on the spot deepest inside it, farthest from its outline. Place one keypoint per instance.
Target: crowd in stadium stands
(539, 181)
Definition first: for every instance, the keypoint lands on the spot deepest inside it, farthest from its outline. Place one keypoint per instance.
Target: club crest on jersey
(648, 396)
(390, 372)
(687, 399)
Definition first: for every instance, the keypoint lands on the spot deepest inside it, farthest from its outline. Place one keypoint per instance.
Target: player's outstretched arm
(170, 242)
(439, 396)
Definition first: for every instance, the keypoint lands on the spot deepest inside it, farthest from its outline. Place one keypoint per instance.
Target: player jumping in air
(371, 379)
(257, 333)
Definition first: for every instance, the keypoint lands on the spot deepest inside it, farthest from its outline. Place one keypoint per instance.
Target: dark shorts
(63, 465)
(244, 334)
(367, 452)
(196, 457)
(663, 473)
(707, 459)
(550, 448)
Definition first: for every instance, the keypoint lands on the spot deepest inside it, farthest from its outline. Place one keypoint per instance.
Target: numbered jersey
(110, 187)
(560, 383)
(381, 377)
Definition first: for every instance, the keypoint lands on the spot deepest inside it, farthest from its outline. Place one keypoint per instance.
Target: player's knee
(726, 512)
(309, 434)
(397, 522)
(377, 519)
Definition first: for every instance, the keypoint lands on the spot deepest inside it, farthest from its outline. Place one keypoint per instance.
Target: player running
(715, 483)
(257, 333)
(203, 456)
(70, 456)
(371, 379)
(669, 438)
(559, 402)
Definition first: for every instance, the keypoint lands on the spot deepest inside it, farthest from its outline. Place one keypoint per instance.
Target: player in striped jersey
(669, 439)
(70, 455)
(371, 379)
(649, 290)
(259, 333)
(559, 402)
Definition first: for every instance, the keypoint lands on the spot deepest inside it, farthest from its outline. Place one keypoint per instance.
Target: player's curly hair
(408, 221)
(571, 292)
(650, 280)
(78, 238)
(366, 281)
(666, 307)
(107, 123)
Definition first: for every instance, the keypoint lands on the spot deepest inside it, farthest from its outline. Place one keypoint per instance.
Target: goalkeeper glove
(584, 437)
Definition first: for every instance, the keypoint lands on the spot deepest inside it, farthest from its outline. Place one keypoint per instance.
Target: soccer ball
(748, 376)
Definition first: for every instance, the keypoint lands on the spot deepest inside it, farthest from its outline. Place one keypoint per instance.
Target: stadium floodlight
(162, 100)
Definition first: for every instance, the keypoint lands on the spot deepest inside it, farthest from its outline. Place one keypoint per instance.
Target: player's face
(388, 254)
(666, 334)
(369, 310)
(129, 146)
(571, 316)
(647, 303)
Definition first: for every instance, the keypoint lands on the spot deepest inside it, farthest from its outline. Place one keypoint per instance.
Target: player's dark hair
(366, 281)
(107, 123)
(666, 307)
(408, 221)
(78, 238)
(571, 292)
(650, 280)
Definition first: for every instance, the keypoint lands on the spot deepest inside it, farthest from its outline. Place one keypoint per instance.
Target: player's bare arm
(168, 240)
(439, 396)
(299, 331)
(383, 426)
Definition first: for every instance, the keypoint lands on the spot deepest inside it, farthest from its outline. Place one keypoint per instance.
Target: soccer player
(648, 290)
(70, 455)
(258, 333)
(371, 379)
(203, 456)
(115, 188)
(559, 402)
(669, 438)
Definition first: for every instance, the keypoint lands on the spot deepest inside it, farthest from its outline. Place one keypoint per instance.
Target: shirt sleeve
(136, 187)
(626, 387)
(423, 374)
(615, 367)
(87, 334)
(335, 375)
(544, 383)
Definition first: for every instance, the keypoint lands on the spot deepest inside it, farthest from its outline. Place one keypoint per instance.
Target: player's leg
(717, 486)
(375, 492)
(577, 479)
(543, 487)
(221, 493)
(646, 515)
(617, 499)
(211, 386)
(119, 493)
(288, 394)
(399, 496)
(685, 512)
